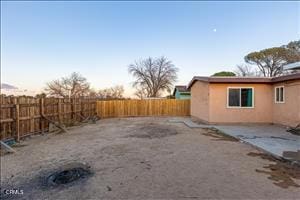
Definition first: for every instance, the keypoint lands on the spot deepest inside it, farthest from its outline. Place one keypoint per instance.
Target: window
(279, 94)
(240, 97)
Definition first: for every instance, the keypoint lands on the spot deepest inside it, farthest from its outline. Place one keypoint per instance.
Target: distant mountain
(6, 86)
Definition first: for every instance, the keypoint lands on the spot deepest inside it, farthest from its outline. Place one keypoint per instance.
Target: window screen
(279, 94)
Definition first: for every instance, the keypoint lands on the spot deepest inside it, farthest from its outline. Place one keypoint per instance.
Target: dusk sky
(42, 41)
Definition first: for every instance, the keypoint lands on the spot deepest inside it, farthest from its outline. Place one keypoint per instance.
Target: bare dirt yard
(144, 158)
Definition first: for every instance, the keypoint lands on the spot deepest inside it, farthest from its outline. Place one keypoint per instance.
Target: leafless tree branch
(74, 85)
(153, 76)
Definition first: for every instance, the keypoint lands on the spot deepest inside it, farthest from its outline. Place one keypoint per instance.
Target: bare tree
(115, 92)
(154, 76)
(74, 85)
(93, 93)
(103, 93)
(245, 70)
(141, 93)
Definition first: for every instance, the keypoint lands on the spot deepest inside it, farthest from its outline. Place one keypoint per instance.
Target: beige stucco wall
(287, 113)
(209, 104)
(220, 113)
(199, 101)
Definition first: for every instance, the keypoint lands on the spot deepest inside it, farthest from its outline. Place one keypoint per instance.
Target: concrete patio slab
(273, 139)
(270, 138)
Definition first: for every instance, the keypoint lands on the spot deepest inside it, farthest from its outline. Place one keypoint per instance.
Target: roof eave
(257, 80)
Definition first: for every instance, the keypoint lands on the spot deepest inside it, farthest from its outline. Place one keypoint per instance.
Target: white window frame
(253, 94)
(283, 94)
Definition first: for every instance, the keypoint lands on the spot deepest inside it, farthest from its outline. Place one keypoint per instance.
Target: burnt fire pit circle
(68, 174)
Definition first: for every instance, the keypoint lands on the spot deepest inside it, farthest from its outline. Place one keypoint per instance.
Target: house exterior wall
(209, 103)
(200, 101)
(179, 95)
(260, 113)
(287, 113)
(184, 96)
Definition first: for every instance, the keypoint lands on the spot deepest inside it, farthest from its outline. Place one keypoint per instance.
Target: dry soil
(146, 158)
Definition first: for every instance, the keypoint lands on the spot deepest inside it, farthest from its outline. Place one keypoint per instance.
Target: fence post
(42, 114)
(81, 101)
(17, 119)
(59, 110)
(72, 109)
(31, 114)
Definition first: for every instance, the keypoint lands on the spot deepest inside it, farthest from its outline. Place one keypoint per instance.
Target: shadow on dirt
(152, 131)
(218, 135)
(281, 172)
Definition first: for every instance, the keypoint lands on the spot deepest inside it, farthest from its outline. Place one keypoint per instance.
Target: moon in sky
(215, 30)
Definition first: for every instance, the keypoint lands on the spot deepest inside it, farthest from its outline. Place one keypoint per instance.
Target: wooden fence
(134, 108)
(22, 116)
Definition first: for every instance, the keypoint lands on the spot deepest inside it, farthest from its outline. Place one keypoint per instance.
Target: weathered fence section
(148, 107)
(22, 116)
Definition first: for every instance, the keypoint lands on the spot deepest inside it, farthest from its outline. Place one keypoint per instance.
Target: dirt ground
(146, 158)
